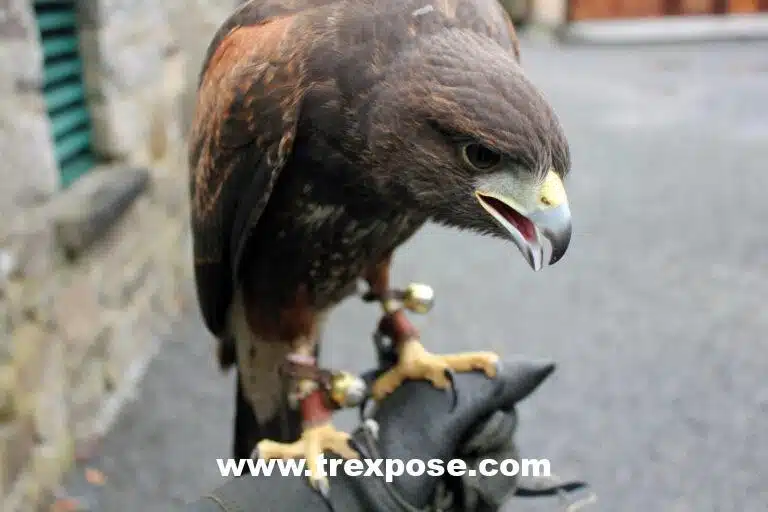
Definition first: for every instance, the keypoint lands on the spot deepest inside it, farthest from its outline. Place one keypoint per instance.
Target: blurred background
(110, 399)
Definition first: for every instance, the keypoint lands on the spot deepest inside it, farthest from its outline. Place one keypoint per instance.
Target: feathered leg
(248, 431)
(318, 435)
(265, 344)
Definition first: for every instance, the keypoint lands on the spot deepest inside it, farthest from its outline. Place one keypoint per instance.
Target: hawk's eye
(480, 157)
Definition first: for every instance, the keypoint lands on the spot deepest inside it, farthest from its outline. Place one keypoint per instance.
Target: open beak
(529, 212)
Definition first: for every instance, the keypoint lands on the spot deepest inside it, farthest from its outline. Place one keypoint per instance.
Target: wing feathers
(243, 131)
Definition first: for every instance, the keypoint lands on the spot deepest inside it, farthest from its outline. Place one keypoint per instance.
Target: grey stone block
(29, 250)
(14, 19)
(19, 36)
(117, 56)
(88, 209)
(121, 125)
(27, 167)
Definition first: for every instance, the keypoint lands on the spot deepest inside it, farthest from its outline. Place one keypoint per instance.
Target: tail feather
(248, 430)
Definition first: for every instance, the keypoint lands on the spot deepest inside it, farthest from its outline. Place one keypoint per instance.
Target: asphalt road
(656, 316)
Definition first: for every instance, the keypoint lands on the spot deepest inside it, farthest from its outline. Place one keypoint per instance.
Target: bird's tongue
(521, 223)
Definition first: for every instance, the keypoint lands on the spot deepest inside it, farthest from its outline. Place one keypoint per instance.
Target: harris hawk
(326, 133)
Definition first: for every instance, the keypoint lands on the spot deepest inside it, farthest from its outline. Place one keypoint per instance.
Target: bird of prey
(326, 133)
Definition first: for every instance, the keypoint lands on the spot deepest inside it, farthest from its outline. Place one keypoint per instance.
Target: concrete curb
(667, 30)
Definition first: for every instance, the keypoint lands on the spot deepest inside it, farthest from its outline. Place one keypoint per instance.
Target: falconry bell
(418, 298)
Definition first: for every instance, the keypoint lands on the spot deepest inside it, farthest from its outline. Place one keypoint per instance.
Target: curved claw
(373, 428)
(362, 408)
(451, 376)
(499, 367)
(321, 485)
(353, 444)
(323, 488)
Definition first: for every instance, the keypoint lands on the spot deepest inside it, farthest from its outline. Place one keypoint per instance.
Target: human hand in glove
(416, 423)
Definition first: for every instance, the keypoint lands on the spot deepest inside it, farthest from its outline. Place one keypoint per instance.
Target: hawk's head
(457, 127)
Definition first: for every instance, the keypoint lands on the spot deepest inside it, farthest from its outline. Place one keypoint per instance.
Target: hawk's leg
(413, 360)
(318, 433)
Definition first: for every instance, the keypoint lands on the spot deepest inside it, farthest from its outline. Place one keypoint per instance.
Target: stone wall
(90, 276)
(26, 173)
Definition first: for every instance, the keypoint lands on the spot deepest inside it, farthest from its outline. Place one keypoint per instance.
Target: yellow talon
(415, 363)
(314, 441)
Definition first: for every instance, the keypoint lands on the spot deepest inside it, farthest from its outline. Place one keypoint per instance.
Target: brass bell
(418, 298)
(347, 390)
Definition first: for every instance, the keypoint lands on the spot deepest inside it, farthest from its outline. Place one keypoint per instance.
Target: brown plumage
(327, 133)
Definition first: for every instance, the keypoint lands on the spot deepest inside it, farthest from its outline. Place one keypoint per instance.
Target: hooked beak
(529, 211)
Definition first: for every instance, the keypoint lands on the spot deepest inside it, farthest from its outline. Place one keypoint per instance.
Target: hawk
(326, 134)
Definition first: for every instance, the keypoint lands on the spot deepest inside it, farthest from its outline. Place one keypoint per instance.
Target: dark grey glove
(416, 422)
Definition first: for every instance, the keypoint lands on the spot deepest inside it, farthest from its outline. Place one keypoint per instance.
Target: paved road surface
(656, 316)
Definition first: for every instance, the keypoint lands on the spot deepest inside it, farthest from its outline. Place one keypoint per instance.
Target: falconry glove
(417, 422)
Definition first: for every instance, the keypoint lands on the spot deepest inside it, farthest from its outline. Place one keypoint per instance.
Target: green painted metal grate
(63, 88)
